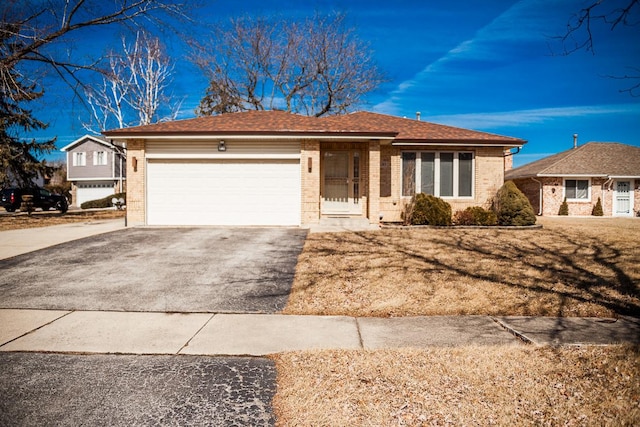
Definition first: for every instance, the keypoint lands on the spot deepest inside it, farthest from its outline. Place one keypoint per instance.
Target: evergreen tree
(564, 208)
(597, 209)
(19, 160)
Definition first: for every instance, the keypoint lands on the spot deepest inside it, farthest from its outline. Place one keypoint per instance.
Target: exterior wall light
(134, 163)
(222, 146)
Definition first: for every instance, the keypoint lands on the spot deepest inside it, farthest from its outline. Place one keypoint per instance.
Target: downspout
(540, 198)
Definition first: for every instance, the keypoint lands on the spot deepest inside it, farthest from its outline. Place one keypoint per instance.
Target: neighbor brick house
(605, 170)
(95, 168)
(278, 168)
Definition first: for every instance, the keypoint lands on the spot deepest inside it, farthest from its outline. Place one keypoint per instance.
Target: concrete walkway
(18, 242)
(263, 334)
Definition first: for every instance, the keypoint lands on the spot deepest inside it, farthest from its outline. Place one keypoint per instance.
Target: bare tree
(314, 67)
(135, 83)
(33, 37)
(579, 32)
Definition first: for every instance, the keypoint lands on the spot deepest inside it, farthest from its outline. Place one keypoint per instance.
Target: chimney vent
(575, 140)
(418, 115)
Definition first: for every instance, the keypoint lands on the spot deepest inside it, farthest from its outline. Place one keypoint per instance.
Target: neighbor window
(441, 174)
(576, 189)
(79, 159)
(100, 158)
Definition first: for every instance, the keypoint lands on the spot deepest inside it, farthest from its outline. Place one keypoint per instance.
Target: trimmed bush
(429, 210)
(512, 207)
(475, 215)
(597, 209)
(104, 202)
(564, 208)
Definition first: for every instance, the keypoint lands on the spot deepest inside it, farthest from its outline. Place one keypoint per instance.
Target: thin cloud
(519, 118)
(522, 23)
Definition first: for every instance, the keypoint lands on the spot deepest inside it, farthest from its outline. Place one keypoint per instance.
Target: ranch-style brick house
(606, 170)
(278, 168)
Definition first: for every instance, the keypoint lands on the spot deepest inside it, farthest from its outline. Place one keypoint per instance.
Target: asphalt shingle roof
(591, 159)
(281, 122)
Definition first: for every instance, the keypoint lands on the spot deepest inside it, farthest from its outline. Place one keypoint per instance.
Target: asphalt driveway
(121, 390)
(165, 270)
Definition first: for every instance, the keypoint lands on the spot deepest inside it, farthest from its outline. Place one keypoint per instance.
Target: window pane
(427, 170)
(446, 174)
(570, 189)
(408, 174)
(465, 179)
(582, 189)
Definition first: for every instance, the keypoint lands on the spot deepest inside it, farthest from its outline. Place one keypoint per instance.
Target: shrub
(429, 210)
(597, 209)
(564, 208)
(475, 215)
(512, 207)
(104, 202)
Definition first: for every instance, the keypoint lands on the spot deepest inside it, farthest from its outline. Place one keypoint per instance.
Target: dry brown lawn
(570, 267)
(18, 221)
(507, 386)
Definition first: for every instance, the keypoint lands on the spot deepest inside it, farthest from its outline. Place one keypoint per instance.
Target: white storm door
(622, 199)
(341, 189)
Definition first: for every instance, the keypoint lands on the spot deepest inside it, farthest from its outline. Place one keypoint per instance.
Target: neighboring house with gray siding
(96, 168)
(606, 170)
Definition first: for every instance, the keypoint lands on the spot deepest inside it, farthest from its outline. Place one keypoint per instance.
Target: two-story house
(96, 168)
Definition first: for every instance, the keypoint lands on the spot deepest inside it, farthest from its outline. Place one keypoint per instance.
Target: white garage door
(87, 191)
(223, 192)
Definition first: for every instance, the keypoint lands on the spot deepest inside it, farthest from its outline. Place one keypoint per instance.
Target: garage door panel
(87, 191)
(223, 192)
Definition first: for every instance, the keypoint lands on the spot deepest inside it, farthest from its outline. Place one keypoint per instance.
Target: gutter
(540, 198)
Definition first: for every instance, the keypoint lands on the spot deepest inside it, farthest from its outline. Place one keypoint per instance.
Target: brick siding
(136, 182)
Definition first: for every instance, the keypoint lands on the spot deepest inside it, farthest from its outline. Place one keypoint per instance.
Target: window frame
(100, 158)
(417, 174)
(79, 158)
(575, 199)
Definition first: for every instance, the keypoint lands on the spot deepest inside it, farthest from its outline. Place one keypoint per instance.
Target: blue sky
(486, 65)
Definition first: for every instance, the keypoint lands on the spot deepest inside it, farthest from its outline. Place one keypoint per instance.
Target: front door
(341, 189)
(622, 199)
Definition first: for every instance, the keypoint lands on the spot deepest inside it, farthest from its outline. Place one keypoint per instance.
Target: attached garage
(237, 188)
(92, 190)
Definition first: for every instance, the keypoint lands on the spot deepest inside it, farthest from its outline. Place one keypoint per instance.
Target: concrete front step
(343, 223)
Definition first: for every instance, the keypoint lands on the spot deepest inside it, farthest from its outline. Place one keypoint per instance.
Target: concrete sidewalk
(18, 242)
(263, 334)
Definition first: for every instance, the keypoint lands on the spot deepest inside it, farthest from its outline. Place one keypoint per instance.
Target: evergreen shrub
(429, 210)
(104, 202)
(512, 207)
(564, 208)
(597, 209)
(475, 215)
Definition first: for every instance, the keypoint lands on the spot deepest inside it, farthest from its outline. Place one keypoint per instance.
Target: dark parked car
(11, 199)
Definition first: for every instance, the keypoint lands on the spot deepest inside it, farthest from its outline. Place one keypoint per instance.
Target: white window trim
(564, 190)
(436, 173)
(96, 157)
(79, 158)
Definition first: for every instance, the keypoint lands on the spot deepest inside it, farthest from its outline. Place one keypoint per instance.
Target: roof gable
(95, 138)
(362, 124)
(592, 159)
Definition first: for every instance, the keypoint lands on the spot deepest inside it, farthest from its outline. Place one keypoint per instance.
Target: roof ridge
(567, 154)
